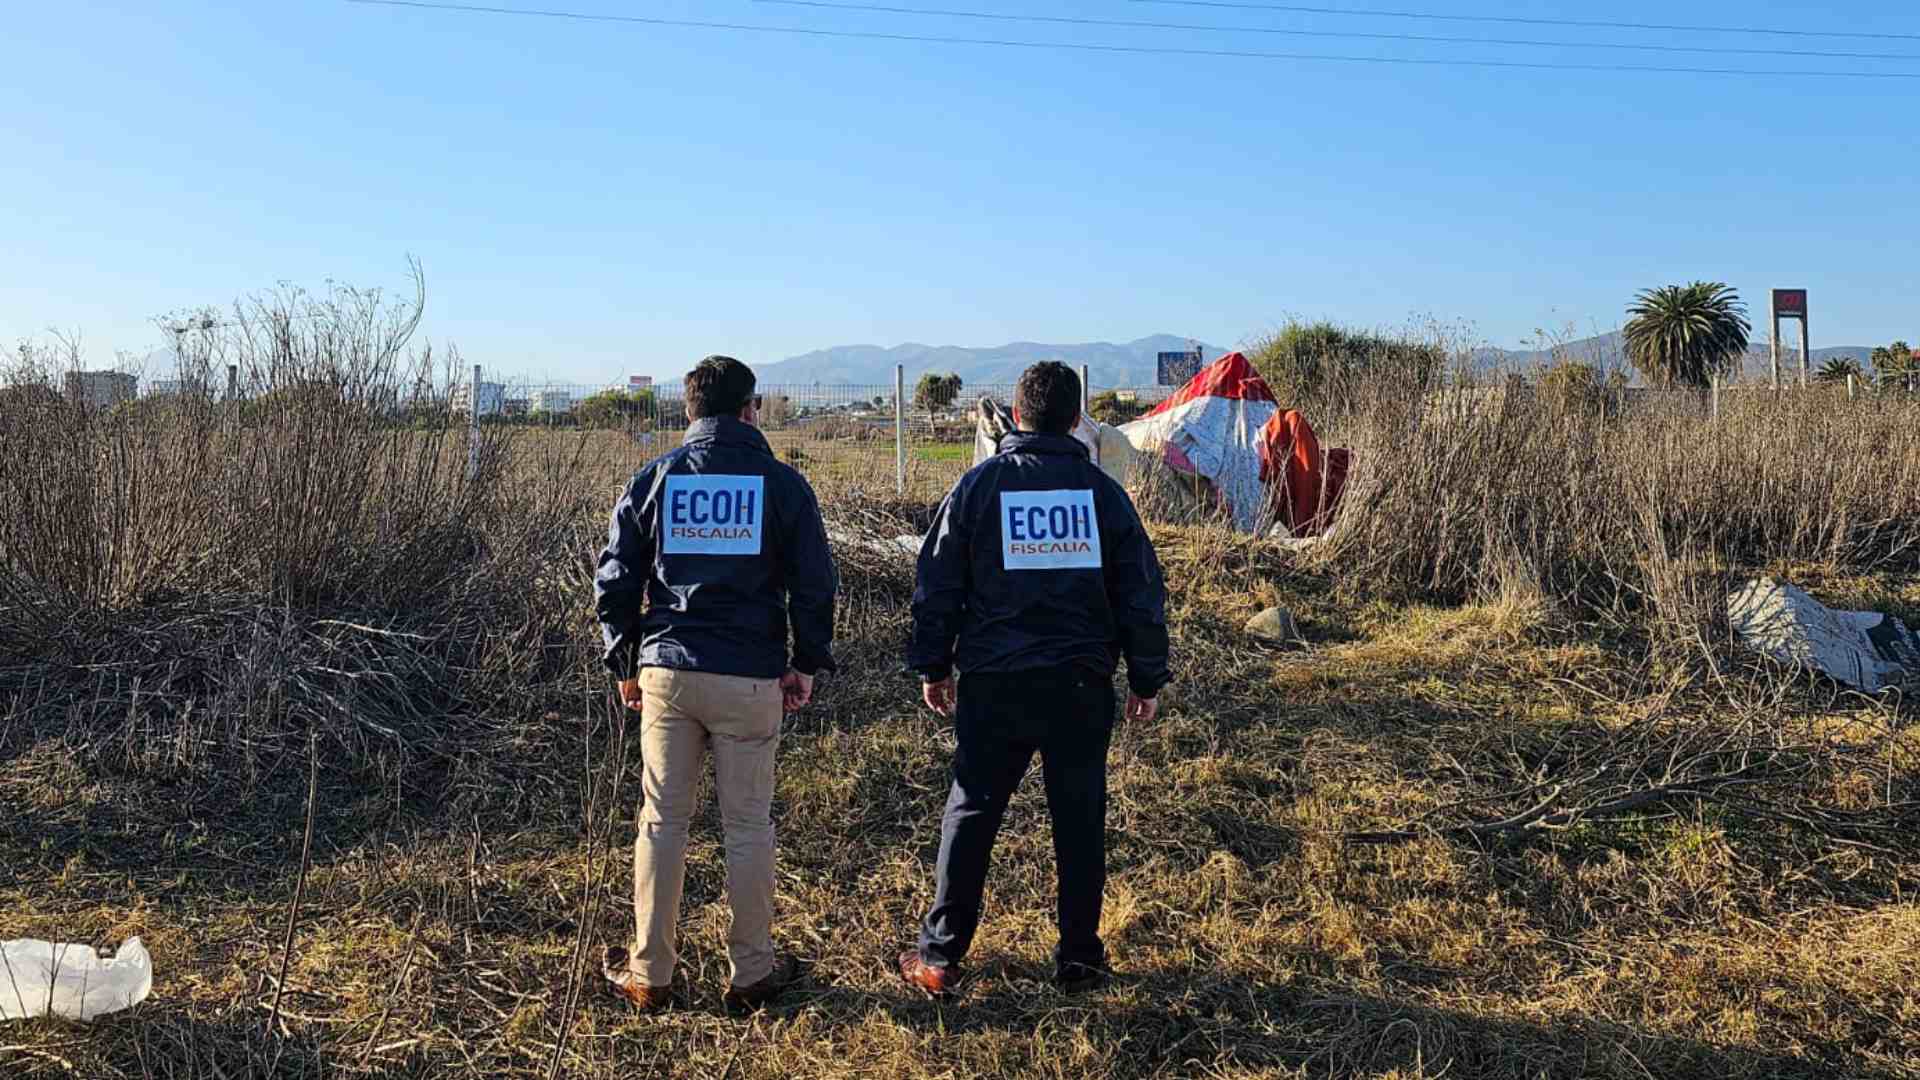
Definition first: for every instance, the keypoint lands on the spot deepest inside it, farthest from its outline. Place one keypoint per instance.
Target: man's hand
(938, 695)
(1141, 710)
(630, 693)
(795, 690)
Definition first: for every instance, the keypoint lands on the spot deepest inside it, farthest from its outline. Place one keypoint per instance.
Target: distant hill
(1130, 364)
(1133, 363)
(1606, 351)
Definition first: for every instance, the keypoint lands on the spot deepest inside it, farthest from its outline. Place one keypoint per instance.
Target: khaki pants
(685, 712)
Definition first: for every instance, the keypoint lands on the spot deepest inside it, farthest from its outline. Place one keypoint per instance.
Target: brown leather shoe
(932, 979)
(647, 999)
(787, 970)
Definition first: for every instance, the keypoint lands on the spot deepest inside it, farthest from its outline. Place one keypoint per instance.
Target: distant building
(550, 401)
(514, 406)
(639, 382)
(492, 398)
(101, 389)
(176, 387)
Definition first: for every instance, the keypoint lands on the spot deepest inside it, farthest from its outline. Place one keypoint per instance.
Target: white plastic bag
(41, 977)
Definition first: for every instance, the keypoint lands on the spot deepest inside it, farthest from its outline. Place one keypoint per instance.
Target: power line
(1147, 50)
(1243, 5)
(1368, 35)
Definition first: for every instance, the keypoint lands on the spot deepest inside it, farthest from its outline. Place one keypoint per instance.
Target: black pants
(1000, 720)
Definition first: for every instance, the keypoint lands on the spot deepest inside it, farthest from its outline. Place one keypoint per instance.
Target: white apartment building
(550, 401)
(492, 398)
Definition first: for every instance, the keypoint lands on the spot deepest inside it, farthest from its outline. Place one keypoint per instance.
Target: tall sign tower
(1791, 304)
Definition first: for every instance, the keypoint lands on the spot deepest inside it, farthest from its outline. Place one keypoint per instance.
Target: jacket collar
(726, 431)
(1034, 442)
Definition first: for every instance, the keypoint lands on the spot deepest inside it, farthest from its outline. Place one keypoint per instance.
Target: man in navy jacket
(714, 551)
(1035, 580)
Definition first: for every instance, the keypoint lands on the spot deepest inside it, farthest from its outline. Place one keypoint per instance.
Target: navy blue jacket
(713, 550)
(1038, 559)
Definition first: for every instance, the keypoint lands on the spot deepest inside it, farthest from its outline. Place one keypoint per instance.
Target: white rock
(1274, 624)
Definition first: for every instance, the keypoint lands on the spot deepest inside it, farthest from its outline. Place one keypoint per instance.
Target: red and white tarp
(1226, 425)
(1214, 424)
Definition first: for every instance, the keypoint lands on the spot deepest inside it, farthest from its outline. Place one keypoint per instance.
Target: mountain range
(1608, 351)
(1133, 363)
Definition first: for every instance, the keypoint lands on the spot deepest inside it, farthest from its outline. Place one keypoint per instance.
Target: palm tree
(1683, 335)
(1837, 370)
(1896, 365)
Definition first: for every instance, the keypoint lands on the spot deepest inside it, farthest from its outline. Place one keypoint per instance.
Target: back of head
(719, 386)
(1048, 398)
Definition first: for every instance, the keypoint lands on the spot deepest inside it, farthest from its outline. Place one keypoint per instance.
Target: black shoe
(1080, 978)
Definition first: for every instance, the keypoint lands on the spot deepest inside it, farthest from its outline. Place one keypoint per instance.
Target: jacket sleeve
(1137, 595)
(812, 580)
(940, 588)
(620, 580)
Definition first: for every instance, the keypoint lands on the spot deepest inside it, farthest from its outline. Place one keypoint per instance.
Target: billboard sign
(1790, 303)
(1177, 367)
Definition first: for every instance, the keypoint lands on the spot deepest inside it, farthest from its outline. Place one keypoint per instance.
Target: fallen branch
(300, 882)
(1544, 815)
(593, 879)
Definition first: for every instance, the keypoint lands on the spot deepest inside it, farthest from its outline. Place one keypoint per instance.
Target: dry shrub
(1163, 495)
(213, 577)
(1313, 364)
(1623, 512)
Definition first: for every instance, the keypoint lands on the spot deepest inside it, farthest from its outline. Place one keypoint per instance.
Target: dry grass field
(1516, 808)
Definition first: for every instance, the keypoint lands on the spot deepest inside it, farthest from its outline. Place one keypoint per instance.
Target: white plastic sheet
(38, 978)
(1221, 437)
(1864, 649)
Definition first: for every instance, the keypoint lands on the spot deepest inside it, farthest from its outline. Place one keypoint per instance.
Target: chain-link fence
(853, 437)
(872, 439)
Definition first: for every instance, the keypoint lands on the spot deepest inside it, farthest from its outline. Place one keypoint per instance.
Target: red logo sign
(1790, 302)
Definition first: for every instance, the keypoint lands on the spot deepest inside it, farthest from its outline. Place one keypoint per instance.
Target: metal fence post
(1716, 395)
(233, 382)
(473, 425)
(1086, 405)
(900, 429)
(1849, 386)
(1806, 353)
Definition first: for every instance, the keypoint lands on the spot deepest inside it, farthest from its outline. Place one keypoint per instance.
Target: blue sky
(592, 199)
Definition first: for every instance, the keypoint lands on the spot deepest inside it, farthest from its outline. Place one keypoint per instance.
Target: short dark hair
(1048, 398)
(719, 386)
